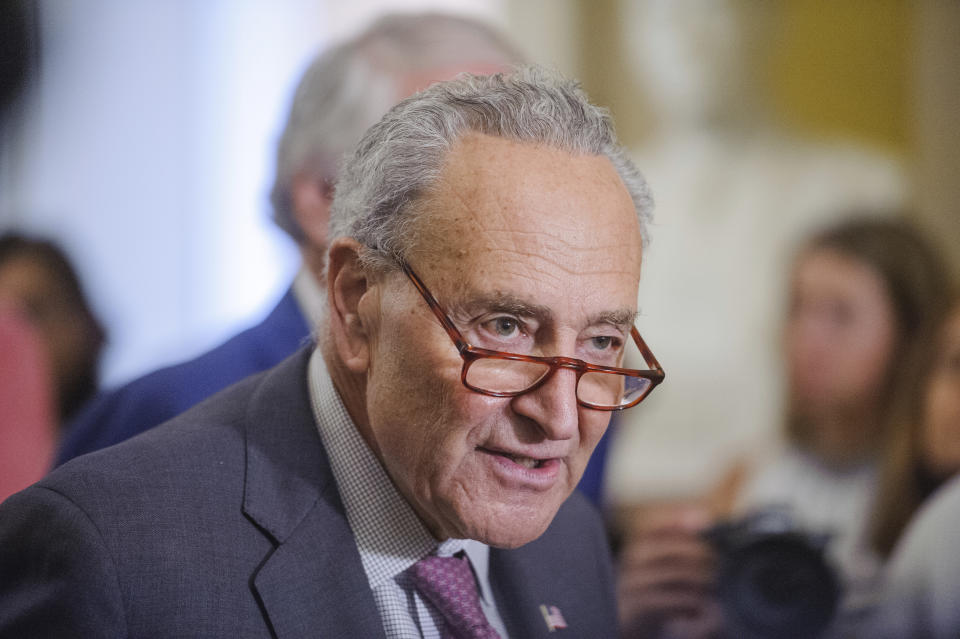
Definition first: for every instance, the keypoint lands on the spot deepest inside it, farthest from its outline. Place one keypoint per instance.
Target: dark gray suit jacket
(226, 522)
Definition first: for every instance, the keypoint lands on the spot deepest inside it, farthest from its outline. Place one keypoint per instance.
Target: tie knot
(448, 584)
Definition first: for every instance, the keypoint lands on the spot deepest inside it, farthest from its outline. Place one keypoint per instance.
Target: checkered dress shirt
(389, 534)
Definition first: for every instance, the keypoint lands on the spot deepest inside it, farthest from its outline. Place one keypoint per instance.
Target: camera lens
(777, 586)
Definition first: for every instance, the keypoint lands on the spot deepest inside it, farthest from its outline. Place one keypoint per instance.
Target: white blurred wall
(146, 148)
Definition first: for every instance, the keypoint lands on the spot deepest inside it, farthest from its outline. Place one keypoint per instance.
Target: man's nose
(553, 406)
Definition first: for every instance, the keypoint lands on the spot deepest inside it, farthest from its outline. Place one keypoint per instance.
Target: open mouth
(520, 460)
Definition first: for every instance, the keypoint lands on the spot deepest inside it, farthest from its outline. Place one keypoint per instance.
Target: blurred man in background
(344, 91)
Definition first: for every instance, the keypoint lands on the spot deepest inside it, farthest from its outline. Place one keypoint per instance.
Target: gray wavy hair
(350, 86)
(401, 157)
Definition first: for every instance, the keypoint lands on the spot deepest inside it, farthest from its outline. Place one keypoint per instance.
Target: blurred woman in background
(37, 279)
(50, 345)
(28, 431)
(864, 296)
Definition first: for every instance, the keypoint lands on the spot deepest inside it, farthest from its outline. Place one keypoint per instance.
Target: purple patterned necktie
(448, 584)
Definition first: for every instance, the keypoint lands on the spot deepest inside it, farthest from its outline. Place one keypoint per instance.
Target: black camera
(774, 580)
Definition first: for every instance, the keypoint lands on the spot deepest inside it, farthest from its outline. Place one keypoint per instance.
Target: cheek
(409, 381)
(872, 361)
(424, 423)
(873, 336)
(863, 358)
(405, 410)
(850, 364)
(68, 344)
(593, 424)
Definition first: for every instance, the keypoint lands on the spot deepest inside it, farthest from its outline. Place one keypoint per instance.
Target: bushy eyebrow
(502, 303)
(514, 305)
(623, 318)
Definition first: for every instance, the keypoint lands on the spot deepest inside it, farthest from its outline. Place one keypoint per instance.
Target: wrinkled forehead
(524, 206)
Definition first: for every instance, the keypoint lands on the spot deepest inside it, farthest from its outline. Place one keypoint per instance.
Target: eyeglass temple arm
(434, 305)
(645, 351)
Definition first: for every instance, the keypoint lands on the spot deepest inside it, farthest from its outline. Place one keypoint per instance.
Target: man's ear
(347, 284)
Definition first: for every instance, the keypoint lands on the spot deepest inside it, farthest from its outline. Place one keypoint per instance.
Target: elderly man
(413, 475)
(344, 91)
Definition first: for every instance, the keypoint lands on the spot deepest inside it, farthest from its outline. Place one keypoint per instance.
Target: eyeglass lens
(500, 375)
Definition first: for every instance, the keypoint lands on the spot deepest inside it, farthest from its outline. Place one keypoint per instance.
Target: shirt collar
(479, 555)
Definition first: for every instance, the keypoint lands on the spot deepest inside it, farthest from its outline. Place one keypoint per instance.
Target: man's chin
(510, 528)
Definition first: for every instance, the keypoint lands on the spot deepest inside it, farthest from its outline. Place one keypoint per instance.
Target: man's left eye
(602, 342)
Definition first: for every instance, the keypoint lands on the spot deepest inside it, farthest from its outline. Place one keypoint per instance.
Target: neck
(843, 438)
(352, 389)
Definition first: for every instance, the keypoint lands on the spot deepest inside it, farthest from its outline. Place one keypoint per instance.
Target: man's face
(530, 250)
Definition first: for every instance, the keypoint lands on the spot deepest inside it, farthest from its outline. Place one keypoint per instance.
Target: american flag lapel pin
(553, 617)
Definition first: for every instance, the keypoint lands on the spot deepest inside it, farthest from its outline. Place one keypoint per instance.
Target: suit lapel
(565, 571)
(312, 584)
(514, 589)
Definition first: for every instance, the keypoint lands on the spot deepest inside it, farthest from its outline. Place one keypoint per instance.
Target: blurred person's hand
(666, 586)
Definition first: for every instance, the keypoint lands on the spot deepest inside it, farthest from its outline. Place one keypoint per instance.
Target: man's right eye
(505, 326)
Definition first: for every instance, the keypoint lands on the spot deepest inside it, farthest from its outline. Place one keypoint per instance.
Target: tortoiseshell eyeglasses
(503, 374)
